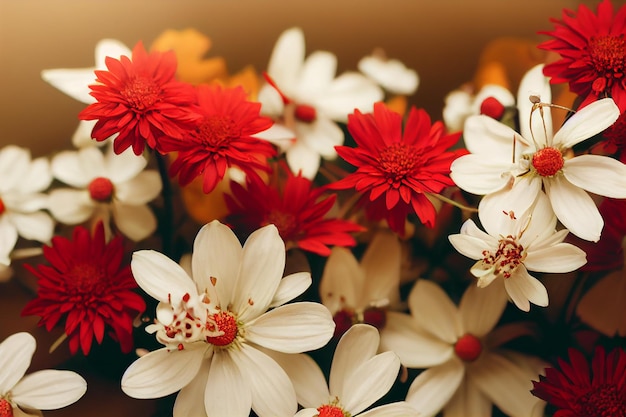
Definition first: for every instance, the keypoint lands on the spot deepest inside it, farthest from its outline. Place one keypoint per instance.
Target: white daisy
(461, 103)
(214, 324)
(75, 83)
(105, 184)
(358, 378)
(24, 396)
(465, 374)
(513, 169)
(513, 245)
(309, 99)
(22, 199)
(391, 74)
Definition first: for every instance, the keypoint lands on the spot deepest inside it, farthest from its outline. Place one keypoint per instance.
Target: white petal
(8, 239)
(587, 122)
(278, 134)
(160, 277)
(397, 409)
(534, 83)
(190, 399)
(434, 311)
(480, 175)
(66, 167)
(25, 203)
(287, 58)
(391, 74)
(49, 389)
(574, 208)
(141, 189)
(538, 224)
(70, 206)
(316, 74)
(302, 159)
(321, 136)
(434, 387)
(227, 392)
(500, 93)
(347, 92)
(486, 136)
(38, 177)
(73, 82)
(110, 48)
(292, 328)
(135, 222)
(524, 288)
(161, 372)
(468, 401)
(342, 281)
(456, 109)
(272, 105)
(16, 352)
(469, 246)
(381, 263)
(122, 167)
(290, 287)
(14, 165)
(598, 174)
(34, 226)
(82, 135)
(562, 257)
(480, 309)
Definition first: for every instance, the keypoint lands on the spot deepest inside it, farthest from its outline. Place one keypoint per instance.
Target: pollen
(224, 323)
(604, 400)
(468, 347)
(101, 189)
(217, 131)
(141, 93)
(548, 161)
(2, 207)
(507, 257)
(398, 162)
(608, 57)
(329, 410)
(6, 409)
(305, 113)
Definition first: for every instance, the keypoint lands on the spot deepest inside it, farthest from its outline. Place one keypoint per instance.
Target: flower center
(375, 316)
(468, 347)
(86, 278)
(2, 207)
(101, 189)
(616, 135)
(344, 319)
(492, 107)
(548, 161)
(284, 222)
(329, 410)
(507, 258)
(6, 409)
(141, 93)
(601, 401)
(224, 322)
(608, 55)
(217, 131)
(305, 113)
(397, 162)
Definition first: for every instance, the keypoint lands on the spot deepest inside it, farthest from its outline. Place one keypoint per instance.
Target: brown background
(440, 39)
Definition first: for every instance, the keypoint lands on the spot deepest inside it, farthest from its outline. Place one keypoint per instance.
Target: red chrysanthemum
(222, 138)
(593, 53)
(578, 391)
(87, 284)
(295, 208)
(615, 139)
(397, 169)
(141, 101)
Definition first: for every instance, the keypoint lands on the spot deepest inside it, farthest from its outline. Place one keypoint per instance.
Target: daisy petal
(140, 189)
(316, 74)
(321, 136)
(434, 387)
(290, 287)
(73, 82)
(302, 159)
(35, 226)
(598, 174)
(397, 409)
(478, 175)
(135, 222)
(434, 311)
(16, 352)
(524, 288)
(159, 276)
(587, 122)
(70, 206)
(534, 83)
(227, 393)
(468, 401)
(562, 257)
(486, 136)
(381, 262)
(341, 278)
(49, 389)
(8, 239)
(190, 399)
(480, 309)
(347, 92)
(287, 58)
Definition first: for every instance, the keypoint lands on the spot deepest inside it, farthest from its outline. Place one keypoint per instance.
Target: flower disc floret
(607, 54)
(6, 410)
(330, 410)
(468, 347)
(509, 255)
(101, 189)
(548, 161)
(226, 324)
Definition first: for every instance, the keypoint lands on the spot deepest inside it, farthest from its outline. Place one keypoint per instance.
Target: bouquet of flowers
(235, 241)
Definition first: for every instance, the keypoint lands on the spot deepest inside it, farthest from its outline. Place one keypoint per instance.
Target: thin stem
(454, 203)
(166, 221)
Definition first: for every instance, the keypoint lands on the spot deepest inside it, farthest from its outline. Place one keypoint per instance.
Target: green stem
(454, 203)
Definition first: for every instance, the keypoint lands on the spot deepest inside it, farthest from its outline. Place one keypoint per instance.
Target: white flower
(48, 389)
(22, 200)
(466, 375)
(358, 378)
(460, 104)
(75, 83)
(105, 184)
(542, 160)
(513, 245)
(390, 74)
(356, 292)
(214, 324)
(309, 101)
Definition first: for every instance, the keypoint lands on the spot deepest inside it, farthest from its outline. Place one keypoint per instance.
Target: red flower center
(507, 258)
(398, 161)
(492, 107)
(548, 161)
(375, 316)
(101, 189)
(284, 222)
(330, 411)
(468, 347)
(2, 207)
(6, 410)
(305, 113)
(85, 278)
(608, 55)
(602, 401)
(226, 323)
(217, 131)
(344, 319)
(141, 93)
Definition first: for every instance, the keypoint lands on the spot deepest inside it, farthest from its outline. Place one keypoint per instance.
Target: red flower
(87, 285)
(398, 169)
(140, 100)
(593, 53)
(222, 138)
(298, 212)
(578, 391)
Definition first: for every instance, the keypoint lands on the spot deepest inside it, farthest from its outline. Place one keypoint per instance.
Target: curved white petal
(347, 92)
(342, 280)
(468, 401)
(479, 175)
(470, 246)
(598, 174)
(434, 387)
(480, 309)
(290, 287)
(34, 226)
(70, 206)
(122, 167)
(292, 328)
(135, 222)
(587, 122)
(391, 74)
(287, 59)
(486, 136)
(381, 263)
(160, 277)
(322, 135)
(16, 352)
(66, 166)
(141, 189)
(14, 164)
(110, 48)
(316, 74)
(562, 257)
(49, 389)
(8, 239)
(302, 159)
(434, 311)
(538, 122)
(190, 399)
(38, 177)
(272, 105)
(82, 135)
(277, 134)
(456, 109)
(524, 288)
(73, 82)
(516, 200)
(227, 393)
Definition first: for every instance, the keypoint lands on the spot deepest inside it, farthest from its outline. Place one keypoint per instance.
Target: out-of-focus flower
(466, 374)
(491, 100)
(105, 184)
(224, 137)
(307, 99)
(391, 74)
(512, 168)
(24, 395)
(298, 210)
(515, 244)
(21, 199)
(88, 286)
(592, 49)
(615, 139)
(362, 292)
(395, 169)
(580, 390)
(75, 83)
(213, 324)
(139, 99)
(358, 378)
